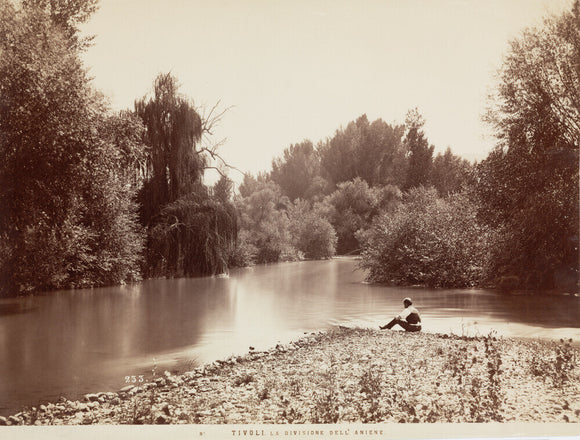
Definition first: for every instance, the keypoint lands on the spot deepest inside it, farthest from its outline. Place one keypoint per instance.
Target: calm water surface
(70, 343)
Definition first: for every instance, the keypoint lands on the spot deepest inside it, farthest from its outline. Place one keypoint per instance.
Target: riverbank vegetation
(349, 375)
(91, 197)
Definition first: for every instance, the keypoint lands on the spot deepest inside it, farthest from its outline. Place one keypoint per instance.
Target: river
(68, 343)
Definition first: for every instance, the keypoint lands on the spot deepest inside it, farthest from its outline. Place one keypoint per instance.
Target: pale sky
(300, 69)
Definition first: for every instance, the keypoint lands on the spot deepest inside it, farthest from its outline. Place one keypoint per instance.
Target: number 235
(134, 379)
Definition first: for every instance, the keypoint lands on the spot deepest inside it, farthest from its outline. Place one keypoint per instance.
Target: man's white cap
(408, 300)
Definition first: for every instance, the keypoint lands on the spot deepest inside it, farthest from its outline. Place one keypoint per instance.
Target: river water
(69, 343)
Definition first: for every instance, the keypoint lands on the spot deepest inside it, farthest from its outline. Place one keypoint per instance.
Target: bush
(244, 254)
(353, 206)
(192, 236)
(427, 241)
(264, 225)
(311, 234)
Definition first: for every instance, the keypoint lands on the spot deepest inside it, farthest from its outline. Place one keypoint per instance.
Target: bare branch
(221, 173)
(212, 119)
(209, 121)
(216, 156)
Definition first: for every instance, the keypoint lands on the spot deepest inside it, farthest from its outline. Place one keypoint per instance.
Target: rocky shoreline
(348, 375)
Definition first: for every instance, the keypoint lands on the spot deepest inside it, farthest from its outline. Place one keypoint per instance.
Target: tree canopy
(68, 216)
(529, 184)
(372, 152)
(191, 232)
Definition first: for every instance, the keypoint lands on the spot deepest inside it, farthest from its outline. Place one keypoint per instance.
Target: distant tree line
(509, 222)
(339, 187)
(91, 197)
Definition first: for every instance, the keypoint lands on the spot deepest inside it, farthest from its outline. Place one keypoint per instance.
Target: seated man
(409, 319)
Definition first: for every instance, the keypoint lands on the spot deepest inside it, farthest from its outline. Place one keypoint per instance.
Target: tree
(419, 150)
(223, 189)
(372, 152)
(66, 15)
(190, 232)
(295, 172)
(450, 173)
(251, 184)
(352, 207)
(312, 234)
(265, 224)
(68, 213)
(174, 167)
(529, 184)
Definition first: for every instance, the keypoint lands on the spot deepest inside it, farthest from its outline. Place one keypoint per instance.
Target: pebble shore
(348, 375)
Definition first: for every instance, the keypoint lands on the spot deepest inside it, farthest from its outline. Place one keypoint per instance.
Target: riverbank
(349, 375)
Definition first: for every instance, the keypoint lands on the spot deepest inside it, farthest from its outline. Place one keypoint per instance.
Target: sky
(290, 70)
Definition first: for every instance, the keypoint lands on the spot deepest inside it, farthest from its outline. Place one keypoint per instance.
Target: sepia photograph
(299, 220)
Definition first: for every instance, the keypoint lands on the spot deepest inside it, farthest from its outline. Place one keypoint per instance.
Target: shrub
(370, 386)
(244, 253)
(353, 206)
(311, 234)
(264, 225)
(428, 241)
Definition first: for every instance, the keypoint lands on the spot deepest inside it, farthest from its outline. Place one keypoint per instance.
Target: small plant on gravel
(291, 414)
(265, 390)
(539, 366)
(556, 364)
(325, 408)
(458, 363)
(137, 412)
(295, 386)
(406, 403)
(370, 386)
(482, 398)
(493, 391)
(244, 379)
(564, 363)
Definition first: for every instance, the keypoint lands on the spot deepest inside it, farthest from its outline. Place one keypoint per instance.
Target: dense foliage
(297, 171)
(312, 234)
(372, 152)
(190, 232)
(420, 153)
(428, 241)
(353, 206)
(264, 223)
(272, 228)
(519, 228)
(89, 197)
(68, 212)
(529, 184)
(358, 172)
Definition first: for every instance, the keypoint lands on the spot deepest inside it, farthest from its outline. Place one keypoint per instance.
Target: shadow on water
(13, 308)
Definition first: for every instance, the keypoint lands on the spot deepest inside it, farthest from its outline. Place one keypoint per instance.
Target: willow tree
(190, 232)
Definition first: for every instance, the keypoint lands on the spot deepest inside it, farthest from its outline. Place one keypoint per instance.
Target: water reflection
(73, 342)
